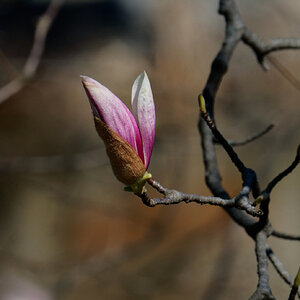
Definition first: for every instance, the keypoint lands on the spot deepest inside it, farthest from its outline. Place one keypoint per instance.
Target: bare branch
(248, 175)
(285, 236)
(233, 34)
(33, 60)
(284, 173)
(284, 274)
(251, 138)
(219, 137)
(277, 264)
(174, 197)
(262, 49)
(263, 290)
(259, 231)
(264, 197)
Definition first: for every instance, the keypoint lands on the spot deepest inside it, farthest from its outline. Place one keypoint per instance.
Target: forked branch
(241, 201)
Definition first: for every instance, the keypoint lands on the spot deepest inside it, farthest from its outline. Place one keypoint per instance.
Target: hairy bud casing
(126, 163)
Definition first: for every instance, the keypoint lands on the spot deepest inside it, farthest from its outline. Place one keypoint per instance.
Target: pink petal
(144, 113)
(112, 111)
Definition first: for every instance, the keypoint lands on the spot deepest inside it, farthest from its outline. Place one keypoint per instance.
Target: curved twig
(285, 236)
(284, 173)
(34, 58)
(277, 264)
(251, 138)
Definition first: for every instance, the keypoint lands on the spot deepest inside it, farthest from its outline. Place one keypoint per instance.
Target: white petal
(144, 112)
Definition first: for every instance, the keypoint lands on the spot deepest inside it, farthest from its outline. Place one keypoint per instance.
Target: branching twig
(219, 137)
(262, 49)
(264, 197)
(248, 175)
(36, 52)
(234, 33)
(265, 194)
(174, 197)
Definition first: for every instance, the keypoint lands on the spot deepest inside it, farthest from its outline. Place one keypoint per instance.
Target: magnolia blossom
(128, 137)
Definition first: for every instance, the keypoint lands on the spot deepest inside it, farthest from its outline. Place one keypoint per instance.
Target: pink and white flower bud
(128, 137)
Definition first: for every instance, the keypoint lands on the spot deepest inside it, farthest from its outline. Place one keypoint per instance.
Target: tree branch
(262, 49)
(235, 32)
(248, 175)
(264, 197)
(241, 201)
(33, 60)
(285, 236)
(277, 264)
(284, 173)
(263, 290)
(251, 138)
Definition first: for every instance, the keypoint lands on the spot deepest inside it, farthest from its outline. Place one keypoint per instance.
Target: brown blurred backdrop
(67, 228)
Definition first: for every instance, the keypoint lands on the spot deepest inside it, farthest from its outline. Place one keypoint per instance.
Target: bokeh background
(67, 228)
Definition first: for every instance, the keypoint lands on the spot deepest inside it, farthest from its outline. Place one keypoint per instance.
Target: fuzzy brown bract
(126, 164)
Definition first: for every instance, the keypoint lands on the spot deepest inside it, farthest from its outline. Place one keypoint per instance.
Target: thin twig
(219, 137)
(248, 175)
(34, 58)
(264, 197)
(277, 264)
(285, 236)
(284, 274)
(251, 138)
(284, 173)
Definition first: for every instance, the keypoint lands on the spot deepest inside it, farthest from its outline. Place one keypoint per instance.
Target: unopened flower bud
(128, 137)
(125, 162)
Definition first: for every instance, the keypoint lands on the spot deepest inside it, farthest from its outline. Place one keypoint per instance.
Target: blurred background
(67, 228)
